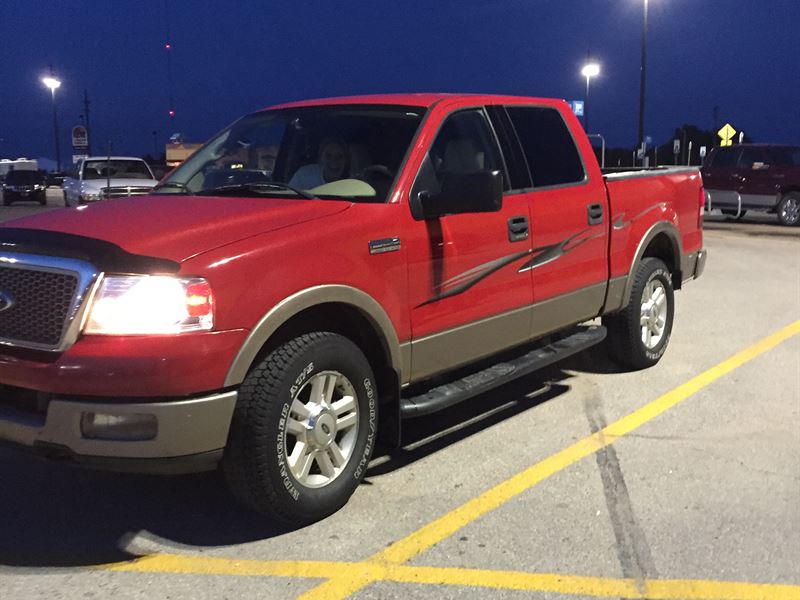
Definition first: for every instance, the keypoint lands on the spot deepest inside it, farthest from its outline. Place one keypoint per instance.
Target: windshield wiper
(255, 186)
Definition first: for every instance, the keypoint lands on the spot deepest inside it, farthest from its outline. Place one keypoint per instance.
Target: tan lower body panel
(615, 299)
(460, 346)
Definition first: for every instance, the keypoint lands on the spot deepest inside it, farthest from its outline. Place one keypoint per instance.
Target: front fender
(303, 300)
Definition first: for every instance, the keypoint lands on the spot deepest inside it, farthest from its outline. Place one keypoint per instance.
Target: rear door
(720, 178)
(755, 174)
(569, 221)
(468, 298)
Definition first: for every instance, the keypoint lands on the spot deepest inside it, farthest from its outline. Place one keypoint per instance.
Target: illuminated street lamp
(53, 84)
(589, 70)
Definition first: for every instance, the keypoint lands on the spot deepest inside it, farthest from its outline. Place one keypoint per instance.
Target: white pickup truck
(102, 177)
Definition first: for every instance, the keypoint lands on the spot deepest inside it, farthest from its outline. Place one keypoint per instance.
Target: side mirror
(477, 192)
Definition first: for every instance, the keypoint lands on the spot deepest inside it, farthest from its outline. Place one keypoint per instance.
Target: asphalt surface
(697, 495)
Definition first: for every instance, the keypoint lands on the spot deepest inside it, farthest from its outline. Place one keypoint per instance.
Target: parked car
(102, 178)
(24, 186)
(56, 178)
(760, 177)
(231, 318)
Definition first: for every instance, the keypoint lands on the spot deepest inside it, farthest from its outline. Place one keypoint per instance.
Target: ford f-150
(319, 272)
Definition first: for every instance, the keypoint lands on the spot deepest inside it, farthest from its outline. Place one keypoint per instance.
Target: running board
(447, 395)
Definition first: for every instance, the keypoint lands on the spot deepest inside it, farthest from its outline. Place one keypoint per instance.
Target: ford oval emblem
(6, 301)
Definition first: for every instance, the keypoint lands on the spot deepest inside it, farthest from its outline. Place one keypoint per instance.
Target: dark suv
(755, 177)
(25, 186)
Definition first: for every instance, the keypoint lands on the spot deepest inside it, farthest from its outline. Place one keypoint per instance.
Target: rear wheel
(638, 335)
(789, 209)
(304, 429)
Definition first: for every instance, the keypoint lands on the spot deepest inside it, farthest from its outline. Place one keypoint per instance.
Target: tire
(789, 209)
(267, 476)
(626, 334)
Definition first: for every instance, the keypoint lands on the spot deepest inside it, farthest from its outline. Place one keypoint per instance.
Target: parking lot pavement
(680, 481)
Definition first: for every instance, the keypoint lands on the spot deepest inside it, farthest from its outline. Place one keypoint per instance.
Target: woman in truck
(333, 165)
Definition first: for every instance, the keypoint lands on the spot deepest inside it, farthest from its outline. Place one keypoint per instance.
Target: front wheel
(304, 429)
(789, 209)
(638, 335)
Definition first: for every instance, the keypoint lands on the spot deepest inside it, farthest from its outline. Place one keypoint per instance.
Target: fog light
(121, 428)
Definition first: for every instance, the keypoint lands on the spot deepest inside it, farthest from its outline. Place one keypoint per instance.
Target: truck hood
(95, 185)
(178, 227)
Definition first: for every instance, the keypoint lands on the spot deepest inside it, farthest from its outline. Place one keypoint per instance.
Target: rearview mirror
(477, 192)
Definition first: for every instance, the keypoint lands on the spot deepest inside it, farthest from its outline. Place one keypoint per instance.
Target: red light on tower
(168, 46)
(171, 113)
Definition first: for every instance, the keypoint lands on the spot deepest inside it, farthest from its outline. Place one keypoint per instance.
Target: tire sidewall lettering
(280, 449)
(280, 454)
(372, 427)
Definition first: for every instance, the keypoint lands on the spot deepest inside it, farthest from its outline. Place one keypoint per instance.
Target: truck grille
(35, 306)
(121, 192)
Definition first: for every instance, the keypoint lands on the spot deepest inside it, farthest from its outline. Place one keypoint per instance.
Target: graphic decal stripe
(477, 274)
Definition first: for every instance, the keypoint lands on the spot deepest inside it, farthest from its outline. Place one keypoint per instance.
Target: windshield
(23, 177)
(329, 152)
(116, 169)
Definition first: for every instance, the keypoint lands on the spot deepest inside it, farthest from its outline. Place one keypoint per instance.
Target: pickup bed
(322, 270)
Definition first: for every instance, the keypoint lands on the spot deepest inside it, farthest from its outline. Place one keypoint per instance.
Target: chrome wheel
(653, 316)
(322, 429)
(790, 210)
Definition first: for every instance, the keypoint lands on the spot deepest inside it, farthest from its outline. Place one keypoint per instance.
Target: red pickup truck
(322, 270)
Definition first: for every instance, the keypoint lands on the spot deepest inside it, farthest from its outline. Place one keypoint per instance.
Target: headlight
(151, 304)
(90, 196)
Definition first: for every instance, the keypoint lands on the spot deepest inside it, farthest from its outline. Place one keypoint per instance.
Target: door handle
(595, 212)
(518, 229)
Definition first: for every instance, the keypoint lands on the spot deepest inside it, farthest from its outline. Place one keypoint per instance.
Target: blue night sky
(230, 58)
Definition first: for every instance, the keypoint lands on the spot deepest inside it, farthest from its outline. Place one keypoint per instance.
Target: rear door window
(750, 157)
(553, 158)
(725, 158)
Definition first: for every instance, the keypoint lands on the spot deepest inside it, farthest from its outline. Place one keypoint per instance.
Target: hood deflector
(106, 256)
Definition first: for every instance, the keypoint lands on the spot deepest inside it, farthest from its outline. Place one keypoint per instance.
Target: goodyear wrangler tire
(303, 430)
(638, 335)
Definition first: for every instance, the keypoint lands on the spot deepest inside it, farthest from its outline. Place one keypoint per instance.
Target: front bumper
(190, 436)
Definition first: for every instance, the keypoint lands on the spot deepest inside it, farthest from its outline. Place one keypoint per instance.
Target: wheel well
(350, 322)
(662, 247)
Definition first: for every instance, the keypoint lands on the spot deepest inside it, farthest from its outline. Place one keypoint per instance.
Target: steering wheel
(375, 170)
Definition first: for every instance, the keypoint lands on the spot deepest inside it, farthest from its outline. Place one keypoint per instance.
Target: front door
(467, 295)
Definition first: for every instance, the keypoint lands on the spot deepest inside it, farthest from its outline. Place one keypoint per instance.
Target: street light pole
(589, 70)
(53, 84)
(643, 76)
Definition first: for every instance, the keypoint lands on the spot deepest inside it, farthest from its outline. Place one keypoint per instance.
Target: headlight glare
(151, 304)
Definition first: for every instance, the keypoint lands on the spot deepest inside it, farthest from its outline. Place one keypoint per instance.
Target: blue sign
(577, 107)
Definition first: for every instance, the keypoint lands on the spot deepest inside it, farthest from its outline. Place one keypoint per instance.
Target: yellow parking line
(600, 587)
(445, 526)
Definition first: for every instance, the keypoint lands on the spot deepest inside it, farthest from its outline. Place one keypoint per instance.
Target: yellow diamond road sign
(726, 135)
